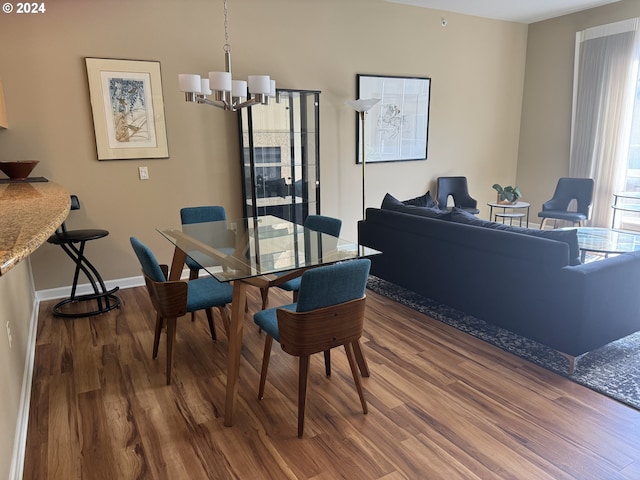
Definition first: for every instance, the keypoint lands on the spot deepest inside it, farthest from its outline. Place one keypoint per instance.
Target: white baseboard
(20, 440)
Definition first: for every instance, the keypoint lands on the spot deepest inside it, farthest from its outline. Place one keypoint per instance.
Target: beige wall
(545, 131)
(17, 308)
(477, 67)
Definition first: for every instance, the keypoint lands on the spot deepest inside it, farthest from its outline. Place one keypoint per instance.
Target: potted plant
(508, 194)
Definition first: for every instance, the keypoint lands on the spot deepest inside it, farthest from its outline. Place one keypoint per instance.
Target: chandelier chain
(227, 47)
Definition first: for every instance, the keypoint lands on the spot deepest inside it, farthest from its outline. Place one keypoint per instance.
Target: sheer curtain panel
(605, 76)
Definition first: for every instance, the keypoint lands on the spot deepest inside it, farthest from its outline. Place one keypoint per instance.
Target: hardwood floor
(442, 404)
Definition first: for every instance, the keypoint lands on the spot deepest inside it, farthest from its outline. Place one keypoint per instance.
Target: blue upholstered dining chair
(329, 313)
(568, 189)
(318, 223)
(190, 215)
(173, 299)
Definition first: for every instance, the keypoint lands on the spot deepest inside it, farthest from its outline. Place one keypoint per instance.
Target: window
(631, 220)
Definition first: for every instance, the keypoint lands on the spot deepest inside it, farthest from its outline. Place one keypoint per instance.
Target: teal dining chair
(318, 223)
(173, 299)
(191, 215)
(329, 313)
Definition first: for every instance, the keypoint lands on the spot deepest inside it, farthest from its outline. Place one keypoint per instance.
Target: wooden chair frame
(169, 299)
(304, 333)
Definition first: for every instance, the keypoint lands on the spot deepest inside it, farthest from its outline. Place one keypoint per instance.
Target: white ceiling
(522, 11)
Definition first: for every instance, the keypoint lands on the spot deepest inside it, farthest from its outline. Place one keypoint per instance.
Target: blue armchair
(568, 189)
(457, 188)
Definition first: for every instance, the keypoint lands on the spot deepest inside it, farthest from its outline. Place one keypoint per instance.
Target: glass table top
(607, 240)
(250, 247)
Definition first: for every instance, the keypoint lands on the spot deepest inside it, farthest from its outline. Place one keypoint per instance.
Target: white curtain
(605, 79)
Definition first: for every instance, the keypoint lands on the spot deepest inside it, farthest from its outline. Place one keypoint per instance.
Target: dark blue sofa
(524, 283)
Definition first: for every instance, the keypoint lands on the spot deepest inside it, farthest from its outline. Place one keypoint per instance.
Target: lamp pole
(362, 106)
(363, 114)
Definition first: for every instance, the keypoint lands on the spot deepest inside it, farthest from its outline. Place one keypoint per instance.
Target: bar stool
(73, 243)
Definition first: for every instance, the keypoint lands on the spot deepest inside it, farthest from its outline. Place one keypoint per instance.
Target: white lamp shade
(220, 81)
(188, 82)
(362, 104)
(239, 88)
(272, 89)
(259, 84)
(205, 90)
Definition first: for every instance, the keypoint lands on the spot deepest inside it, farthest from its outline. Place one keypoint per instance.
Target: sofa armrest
(602, 300)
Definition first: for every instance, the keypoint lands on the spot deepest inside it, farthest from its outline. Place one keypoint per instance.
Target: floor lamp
(362, 106)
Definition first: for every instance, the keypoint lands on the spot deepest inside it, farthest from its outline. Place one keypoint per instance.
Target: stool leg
(77, 259)
(99, 288)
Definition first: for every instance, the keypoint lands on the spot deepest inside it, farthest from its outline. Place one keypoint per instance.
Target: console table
(625, 207)
(511, 214)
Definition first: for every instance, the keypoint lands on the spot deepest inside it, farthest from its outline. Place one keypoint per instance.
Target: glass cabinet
(279, 150)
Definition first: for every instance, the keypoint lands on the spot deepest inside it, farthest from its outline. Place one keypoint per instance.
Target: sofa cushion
(422, 201)
(570, 237)
(391, 203)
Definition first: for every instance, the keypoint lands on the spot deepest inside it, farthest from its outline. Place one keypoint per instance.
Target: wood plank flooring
(442, 405)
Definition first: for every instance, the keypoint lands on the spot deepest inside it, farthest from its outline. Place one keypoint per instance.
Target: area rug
(613, 370)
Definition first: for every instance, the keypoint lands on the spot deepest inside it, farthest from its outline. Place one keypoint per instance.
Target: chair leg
(348, 347)
(225, 318)
(264, 293)
(158, 332)
(295, 296)
(544, 221)
(360, 359)
(327, 362)
(212, 327)
(171, 336)
(193, 274)
(268, 340)
(302, 392)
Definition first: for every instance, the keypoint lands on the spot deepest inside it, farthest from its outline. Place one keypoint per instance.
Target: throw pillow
(391, 203)
(459, 215)
(425, 212)
(422, 201)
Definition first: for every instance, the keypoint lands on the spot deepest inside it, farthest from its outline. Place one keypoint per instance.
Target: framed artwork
(397, 127)
(128, 109)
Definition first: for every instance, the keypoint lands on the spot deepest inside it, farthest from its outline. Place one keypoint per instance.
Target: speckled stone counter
(29, 214)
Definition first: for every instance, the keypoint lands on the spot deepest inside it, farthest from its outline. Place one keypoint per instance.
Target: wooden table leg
(235, 347)
(177, 264)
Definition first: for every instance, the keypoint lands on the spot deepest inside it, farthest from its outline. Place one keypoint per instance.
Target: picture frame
(397, 127)
(128, 108)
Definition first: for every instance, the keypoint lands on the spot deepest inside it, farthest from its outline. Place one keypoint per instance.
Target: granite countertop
(29, 214)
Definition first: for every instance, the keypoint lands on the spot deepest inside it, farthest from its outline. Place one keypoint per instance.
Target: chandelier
(227, 93)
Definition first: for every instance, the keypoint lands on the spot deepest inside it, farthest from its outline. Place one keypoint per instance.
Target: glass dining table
(262, 252)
